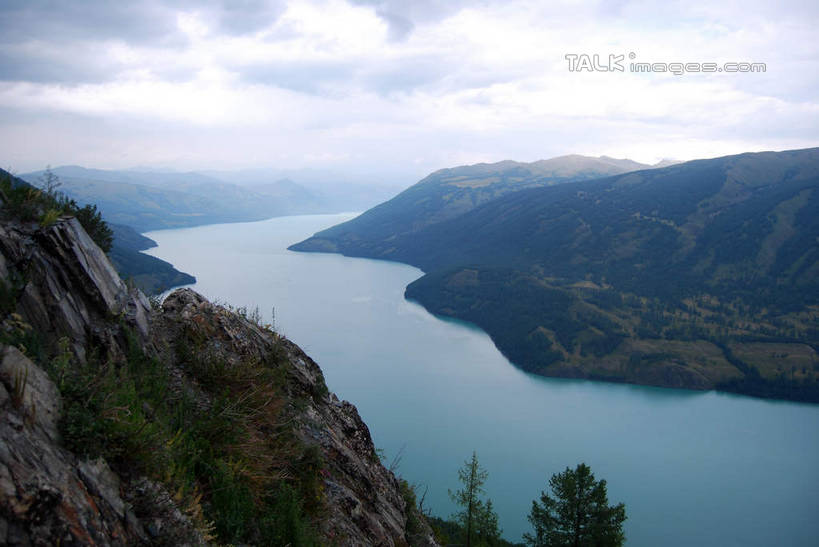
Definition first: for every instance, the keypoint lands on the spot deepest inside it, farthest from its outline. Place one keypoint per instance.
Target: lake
(693, 468)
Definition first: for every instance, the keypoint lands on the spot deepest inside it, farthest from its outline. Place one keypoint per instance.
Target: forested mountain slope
(702, 274)
(449, 193)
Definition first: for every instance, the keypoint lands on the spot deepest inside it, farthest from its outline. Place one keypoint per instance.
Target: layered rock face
(363, 499)
(67, 286)
(60, 284)
(47, 495)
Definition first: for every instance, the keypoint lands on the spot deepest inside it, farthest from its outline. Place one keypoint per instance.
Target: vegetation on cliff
(187, 423)
(47, 203)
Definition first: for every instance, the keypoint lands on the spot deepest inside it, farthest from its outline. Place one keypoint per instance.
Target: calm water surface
(692, 468)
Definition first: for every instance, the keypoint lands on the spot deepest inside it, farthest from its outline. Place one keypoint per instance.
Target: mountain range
(449, 193)
(703, 274)
(124, 421)
(134, 201)
(155, 200)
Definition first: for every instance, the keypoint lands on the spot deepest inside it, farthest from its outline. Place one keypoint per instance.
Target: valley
(659, 277)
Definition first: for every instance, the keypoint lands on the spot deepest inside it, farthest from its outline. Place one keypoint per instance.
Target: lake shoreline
(441, 389)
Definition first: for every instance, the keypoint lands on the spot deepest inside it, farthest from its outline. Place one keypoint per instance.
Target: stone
(40, 397)
(49, 496)
(101, 481)
(4, 397)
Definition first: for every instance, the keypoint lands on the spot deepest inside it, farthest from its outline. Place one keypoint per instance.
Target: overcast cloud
(395, 89)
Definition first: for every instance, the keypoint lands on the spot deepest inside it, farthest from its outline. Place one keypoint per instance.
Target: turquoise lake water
(693, 468)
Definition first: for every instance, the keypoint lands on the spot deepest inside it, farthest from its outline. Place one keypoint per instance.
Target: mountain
(286, 189)
(334, 192)
(146, 272)
(701, 275)
(448, 193)
(666, 162)
(124, 422)
(150, 274)
(154, 200)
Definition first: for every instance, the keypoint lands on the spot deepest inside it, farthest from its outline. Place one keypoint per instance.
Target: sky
(391, 89)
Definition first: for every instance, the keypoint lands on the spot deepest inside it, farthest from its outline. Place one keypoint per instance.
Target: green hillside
(152, 275)
(449, 193)
(703, 274)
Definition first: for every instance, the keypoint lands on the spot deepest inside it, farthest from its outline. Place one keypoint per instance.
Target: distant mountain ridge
(148, 273)
(154, 200)
(702, 274)
(339, 191)
(151, 201)
(449, 193)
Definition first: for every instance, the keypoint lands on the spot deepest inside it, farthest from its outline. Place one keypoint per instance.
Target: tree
(49, 182)
(58, 203)
(578, 515)
(97, 228)
(487, 531)
(478, 519)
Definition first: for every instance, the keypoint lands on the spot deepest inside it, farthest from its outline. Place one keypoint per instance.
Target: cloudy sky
(395, 89)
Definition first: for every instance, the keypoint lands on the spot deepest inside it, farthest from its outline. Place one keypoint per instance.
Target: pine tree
(487, 532)
(578, 515)
(478, 519)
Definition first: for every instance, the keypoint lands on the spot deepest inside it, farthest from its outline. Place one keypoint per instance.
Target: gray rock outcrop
(58, 283)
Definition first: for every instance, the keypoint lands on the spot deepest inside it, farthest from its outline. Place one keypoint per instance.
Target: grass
(29, 204)
(222, 442)
(798, 361)
(18, 390)
(49, 218)
(230, 458)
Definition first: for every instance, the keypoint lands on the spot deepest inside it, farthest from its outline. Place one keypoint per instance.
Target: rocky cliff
(93, 449)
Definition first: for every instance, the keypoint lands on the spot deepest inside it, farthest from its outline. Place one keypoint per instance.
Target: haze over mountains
(702, 274)
(153, 200)
(135, 201)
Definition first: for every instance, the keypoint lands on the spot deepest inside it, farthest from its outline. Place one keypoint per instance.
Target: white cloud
(415, 84)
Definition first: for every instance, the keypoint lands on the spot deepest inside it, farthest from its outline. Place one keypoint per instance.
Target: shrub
(235, 454)
(27, 203)
(49, 218)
